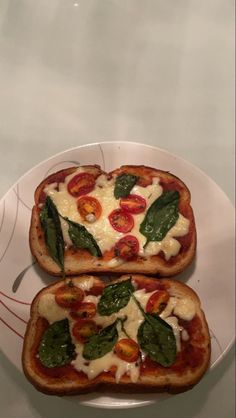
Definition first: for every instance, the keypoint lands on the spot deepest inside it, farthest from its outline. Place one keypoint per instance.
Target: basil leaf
(157, 340)
(124, 184)
(161, 216)
(101, 343)
(56, 348)
(50, 221)
(82, 239)
(115, 297)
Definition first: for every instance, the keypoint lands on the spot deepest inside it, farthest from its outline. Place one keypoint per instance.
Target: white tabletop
(155, 72)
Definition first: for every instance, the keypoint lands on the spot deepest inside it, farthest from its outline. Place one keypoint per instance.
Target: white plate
(211, 275)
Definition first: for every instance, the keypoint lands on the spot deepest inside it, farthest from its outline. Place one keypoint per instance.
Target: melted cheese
(169, 308)
(65, 233)
(105, 235)
(85, 284)
(185, 309)
(50, 310)
(173, 322)
(95, 367)
(184, 335)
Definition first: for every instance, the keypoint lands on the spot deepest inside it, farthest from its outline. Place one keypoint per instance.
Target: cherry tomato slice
(133, 203)
(96, 290)
(127, 247)
(83, 329)
(69, 296)
(84, 310)
(89, 208)
(127, 349)
(121, 220)
(157, 301)
(81, 184)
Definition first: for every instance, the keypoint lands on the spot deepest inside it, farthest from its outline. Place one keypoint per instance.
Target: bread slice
(165, 258)
(145, 375)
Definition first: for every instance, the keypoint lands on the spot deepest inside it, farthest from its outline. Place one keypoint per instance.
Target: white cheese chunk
(185, 309)
(65, 233)
(90, 218)
(50, 310)
(184, 335)
(85, 284)
(169, 308)
(50, 188)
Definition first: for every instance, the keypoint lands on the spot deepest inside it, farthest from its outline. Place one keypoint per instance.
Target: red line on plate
(13, 313)
(12, 329)
(15, 300)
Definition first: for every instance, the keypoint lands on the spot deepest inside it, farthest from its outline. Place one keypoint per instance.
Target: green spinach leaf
(161, 216)
(156, 338)
(124, 184)
(115, 297)
(56, 347)
(50, 221)
(100, 344)
(82, 239)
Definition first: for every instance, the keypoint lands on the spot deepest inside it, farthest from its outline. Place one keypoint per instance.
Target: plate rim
(89, 144)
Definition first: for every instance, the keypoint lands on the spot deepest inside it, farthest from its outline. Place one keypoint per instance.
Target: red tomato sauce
(54, 178)
(194, 329)
(96, 290)
(190, 357)
(149, 285)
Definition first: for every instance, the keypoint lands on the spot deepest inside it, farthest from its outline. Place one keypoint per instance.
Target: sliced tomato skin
(96, 289)
(83, 329)
(88, 205)
(157, 301)
(121, 220)
(68, 296)
(127, 247)
(133, 203)
(81, 184)
(127, 349)
(84, 310)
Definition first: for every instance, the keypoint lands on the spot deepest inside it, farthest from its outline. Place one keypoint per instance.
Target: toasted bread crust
(67, 381)
(78, 261)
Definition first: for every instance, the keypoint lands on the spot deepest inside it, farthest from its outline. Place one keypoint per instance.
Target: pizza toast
(133, 334)
(135, 219)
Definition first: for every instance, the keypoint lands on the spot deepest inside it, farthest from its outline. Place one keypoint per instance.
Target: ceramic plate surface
(211, 275)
